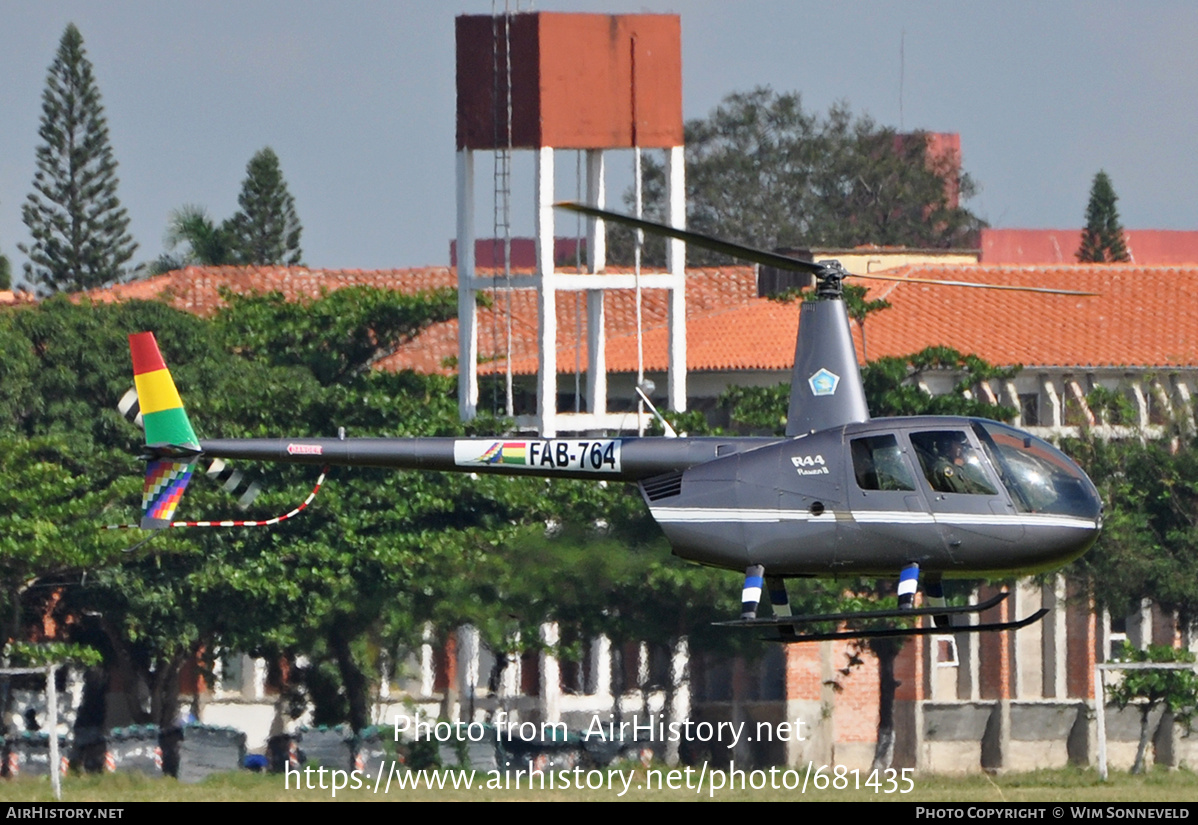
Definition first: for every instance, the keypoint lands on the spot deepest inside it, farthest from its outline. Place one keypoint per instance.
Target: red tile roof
(1143, 316)
(708, 290)
(10, 298)
(197, 288)
(1153, 247)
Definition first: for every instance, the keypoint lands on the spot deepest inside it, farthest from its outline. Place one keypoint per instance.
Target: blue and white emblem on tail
(823, 382)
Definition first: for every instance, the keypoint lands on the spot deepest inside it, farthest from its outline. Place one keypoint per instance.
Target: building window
(1158, 412)
(946, 651)
(1029, 409)
(1116, 637)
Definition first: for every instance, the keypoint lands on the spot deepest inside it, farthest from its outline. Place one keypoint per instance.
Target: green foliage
(266, 230)
(28, 654)
(891, 385)
(1176, 690)
(1102, 239)
(762, 171)
(1149, 688)
(855, 305)
(52, 488)
(5, 273)
(79, 229)
(206, 244)
(1110, 406)
(1149, 542)
(336, 336)
(891, 389)
(378, 554)
(757, 409)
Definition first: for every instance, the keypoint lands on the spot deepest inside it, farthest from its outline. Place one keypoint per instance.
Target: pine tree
(79, 229)
(1102, 239)
(266, 229)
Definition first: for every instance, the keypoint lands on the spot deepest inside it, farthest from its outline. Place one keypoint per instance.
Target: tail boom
(614, 459)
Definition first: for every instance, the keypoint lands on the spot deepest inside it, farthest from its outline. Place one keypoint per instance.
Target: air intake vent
(662, 486)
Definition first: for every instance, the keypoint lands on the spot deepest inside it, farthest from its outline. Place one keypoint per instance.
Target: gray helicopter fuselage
(870, 498)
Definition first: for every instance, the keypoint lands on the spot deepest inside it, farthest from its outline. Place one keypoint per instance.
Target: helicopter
(840, 495)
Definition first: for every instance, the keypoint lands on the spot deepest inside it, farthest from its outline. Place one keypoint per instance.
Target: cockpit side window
(878, 464)
(951, 464)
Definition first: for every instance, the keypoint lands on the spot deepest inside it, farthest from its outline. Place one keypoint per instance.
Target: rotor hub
(829, 279)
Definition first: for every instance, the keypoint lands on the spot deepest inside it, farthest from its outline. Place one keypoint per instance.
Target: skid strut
(750, 594)
(908, 584)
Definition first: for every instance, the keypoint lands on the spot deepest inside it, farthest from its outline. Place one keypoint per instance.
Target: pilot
(956, 469)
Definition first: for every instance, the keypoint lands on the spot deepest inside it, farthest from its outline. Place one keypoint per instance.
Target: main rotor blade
(745, 253)
(877, 276)
(760, 256)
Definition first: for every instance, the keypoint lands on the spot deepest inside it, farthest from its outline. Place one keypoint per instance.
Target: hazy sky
(358, 101)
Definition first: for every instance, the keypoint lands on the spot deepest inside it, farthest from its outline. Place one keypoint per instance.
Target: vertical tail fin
(168, 433)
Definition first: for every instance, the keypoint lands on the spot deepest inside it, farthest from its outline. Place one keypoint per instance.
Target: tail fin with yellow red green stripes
(171, 443)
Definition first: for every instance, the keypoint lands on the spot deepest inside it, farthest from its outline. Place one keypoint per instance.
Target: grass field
(1064, 786)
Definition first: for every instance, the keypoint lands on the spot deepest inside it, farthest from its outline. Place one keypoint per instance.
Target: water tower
(587, 82)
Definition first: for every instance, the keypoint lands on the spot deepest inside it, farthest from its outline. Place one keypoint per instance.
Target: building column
(601, 686)
(468, 650)
(1079, 397)
(428, 664)
(1141, 401)
(1054, 639)
(1056, 415)
(1185, 397)
(680, 707)
(1012, 393)
(551, 679)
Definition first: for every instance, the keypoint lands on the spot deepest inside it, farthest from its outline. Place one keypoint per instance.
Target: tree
(206, 243)
(1150, 688)
(80, 231)
(1102, 239)
(5, 273)
(1149, 541)
(266, 229)
(762, 171)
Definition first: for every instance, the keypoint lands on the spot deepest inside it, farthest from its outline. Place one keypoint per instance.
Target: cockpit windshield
(1039, 477)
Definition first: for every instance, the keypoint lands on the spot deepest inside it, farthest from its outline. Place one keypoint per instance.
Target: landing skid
(892, 613)
(789, 626)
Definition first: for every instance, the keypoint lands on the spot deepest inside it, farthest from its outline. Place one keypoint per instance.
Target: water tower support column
(596, 262)
(467, 309)
(676, 262)
(546, 298)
